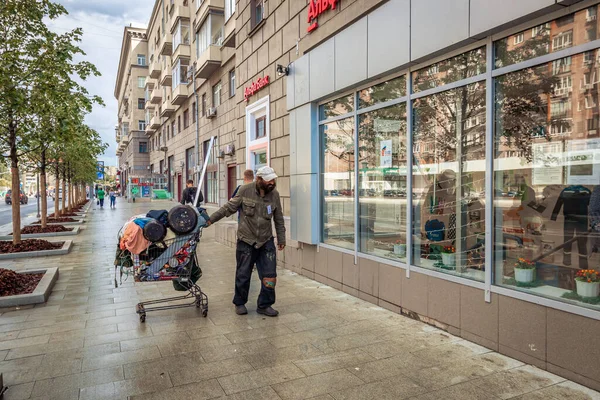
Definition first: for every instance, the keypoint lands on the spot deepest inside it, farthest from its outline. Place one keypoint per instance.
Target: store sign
(385, 152)
(255, 87)
(316, 8)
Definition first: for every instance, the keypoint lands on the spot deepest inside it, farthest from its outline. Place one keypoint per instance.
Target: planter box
(74, 232)
(42, 253)
(524, 275)
(78, 222)
(41, 292)
(588, 289)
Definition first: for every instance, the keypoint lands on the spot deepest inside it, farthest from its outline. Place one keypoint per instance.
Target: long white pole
(201, 181)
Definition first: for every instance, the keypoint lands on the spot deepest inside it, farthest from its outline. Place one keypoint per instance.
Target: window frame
(231, 82)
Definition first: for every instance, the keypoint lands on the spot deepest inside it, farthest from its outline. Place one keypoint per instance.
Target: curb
(42, 253)
(41, 292)
(79, 222)
(74, 232)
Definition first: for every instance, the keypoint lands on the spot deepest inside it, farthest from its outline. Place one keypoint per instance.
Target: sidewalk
(87, 342)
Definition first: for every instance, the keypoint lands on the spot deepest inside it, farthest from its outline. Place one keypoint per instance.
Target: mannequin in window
(440, 204)
(574, 201)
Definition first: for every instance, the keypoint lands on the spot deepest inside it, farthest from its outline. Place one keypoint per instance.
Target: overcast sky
(102, 22)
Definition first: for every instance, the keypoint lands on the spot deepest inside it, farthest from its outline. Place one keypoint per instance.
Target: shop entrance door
(231, 180)
(179, 187)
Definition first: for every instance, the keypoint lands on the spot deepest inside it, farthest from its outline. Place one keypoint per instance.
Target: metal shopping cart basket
(168, 260)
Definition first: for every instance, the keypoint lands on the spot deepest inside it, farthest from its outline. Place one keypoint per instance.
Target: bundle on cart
(159, 246)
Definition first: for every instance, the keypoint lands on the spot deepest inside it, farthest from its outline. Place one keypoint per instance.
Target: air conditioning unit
(590, 18)
(211, 112)
(230, 149)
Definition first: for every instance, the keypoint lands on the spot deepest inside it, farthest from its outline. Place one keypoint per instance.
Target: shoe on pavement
(269, 311)
(241, 310)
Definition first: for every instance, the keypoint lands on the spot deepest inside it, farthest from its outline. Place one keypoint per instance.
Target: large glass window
(180, 72)
(338, 182)
(449, 181)
(210, 33)
(547, 179)
(382, 189)
(182, 34)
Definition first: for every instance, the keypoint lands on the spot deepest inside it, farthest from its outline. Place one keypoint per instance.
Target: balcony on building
(229, 28)
(205, 7)
(154, 69)
(166, 78)
(167, 109)
(209, 39)
(166, 44)
(154, 122)
(181, 40)
(156, 96)
(181, 89)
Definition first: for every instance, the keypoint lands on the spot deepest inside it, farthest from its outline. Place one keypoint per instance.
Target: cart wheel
(205, 312)
(143, 318)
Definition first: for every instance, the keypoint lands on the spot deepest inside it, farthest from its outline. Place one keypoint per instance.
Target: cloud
(103, 22)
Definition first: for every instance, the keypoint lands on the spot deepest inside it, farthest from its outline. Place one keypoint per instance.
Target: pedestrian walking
(113, 198)
(189, 193)
(260, 206)
(100, 195)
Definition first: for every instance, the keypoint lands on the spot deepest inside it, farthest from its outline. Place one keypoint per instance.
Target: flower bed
(60, 219)
(12, 284)
(32, 229)
(66, 214)
(7, 247)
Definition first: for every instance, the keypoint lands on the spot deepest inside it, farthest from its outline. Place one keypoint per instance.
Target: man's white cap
(267, 173)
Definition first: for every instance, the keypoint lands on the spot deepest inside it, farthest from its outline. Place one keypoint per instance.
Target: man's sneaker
(241, 310)
(269, 311)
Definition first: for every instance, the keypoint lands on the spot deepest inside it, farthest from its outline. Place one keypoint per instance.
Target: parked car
(8, 197)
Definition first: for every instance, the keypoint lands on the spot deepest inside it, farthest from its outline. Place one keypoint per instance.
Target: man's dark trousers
(265, 258)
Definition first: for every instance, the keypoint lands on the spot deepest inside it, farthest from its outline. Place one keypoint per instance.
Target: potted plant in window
(588, 283)
(400, 248)
(524, 270)
(449, 256)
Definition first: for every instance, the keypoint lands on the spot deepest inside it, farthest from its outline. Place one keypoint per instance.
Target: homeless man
(259, 206)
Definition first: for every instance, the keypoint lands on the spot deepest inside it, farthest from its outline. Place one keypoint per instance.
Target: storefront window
(338, 182)
(382, 181)
(462, 66)
(547, 180)
(449, 181)
(341, 106)
(386, 91)
(568, 31)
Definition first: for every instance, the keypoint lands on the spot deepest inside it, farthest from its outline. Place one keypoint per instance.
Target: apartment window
(562, 65)
(588, 57)
(186, 118)
(591, 13)
(562, 40)
(141, 59)
(257, 8)
(592, 123)
(210, 33)
(182, 34)
(173, 131)
(179, 123)
(519, 38)
(180, 73)
(216, 95)
(590, 101)
(125, 128)
(194, 113)
(141, 81)
(141, 125)
(229, 8)
(143, 147)
(189, 161)
(588, 79)
(543, 29)
(232, 83)
(563, 85)
(141, 103)
(203, 103)
(260, 127)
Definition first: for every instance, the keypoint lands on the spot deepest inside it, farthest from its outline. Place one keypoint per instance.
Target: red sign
(135, 181)
(316, 8)
(255, 87)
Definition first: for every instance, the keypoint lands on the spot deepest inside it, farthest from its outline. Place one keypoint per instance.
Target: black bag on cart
(159, 215)
(196, 274)
(182, 219)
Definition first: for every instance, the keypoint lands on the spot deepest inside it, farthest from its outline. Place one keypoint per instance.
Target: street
(27, 209)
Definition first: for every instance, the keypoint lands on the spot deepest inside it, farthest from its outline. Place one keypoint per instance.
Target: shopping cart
(168, 260)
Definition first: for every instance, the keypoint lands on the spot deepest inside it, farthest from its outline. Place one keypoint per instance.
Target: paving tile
(198, 391)
(44, 348)
(18, 392)
(53, 367)
(257, 333)
(64, 385)
(83, 333)
(117, 337)
(210, 370)
(517, 381)
(461, 391)
(397, 387)
(561, 391)
(128, 357)
(18, 343)
(188, 345)
(264, 393)
(333, 361)
(282, 355)
(305, 388)
(260, 378)
(142, 386)
(139, 343)
(294, 339)
(166, 365)
(235, 350)
(215, 330)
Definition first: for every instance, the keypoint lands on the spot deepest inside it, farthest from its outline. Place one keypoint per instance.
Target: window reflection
(382, 182)
(386, 91)
(338, 182)
(547, 177)
(341, 106)
(453, 69)
(570, 30)
(449, 181)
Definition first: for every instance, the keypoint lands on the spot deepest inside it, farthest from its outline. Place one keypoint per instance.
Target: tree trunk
(64, 190)
(56, 186)
(16, 190)
(42, 190)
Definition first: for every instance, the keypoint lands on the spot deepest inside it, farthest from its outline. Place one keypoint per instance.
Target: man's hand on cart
(280, 247)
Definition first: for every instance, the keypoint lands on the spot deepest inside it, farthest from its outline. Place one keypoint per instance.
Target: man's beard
(267, 188)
